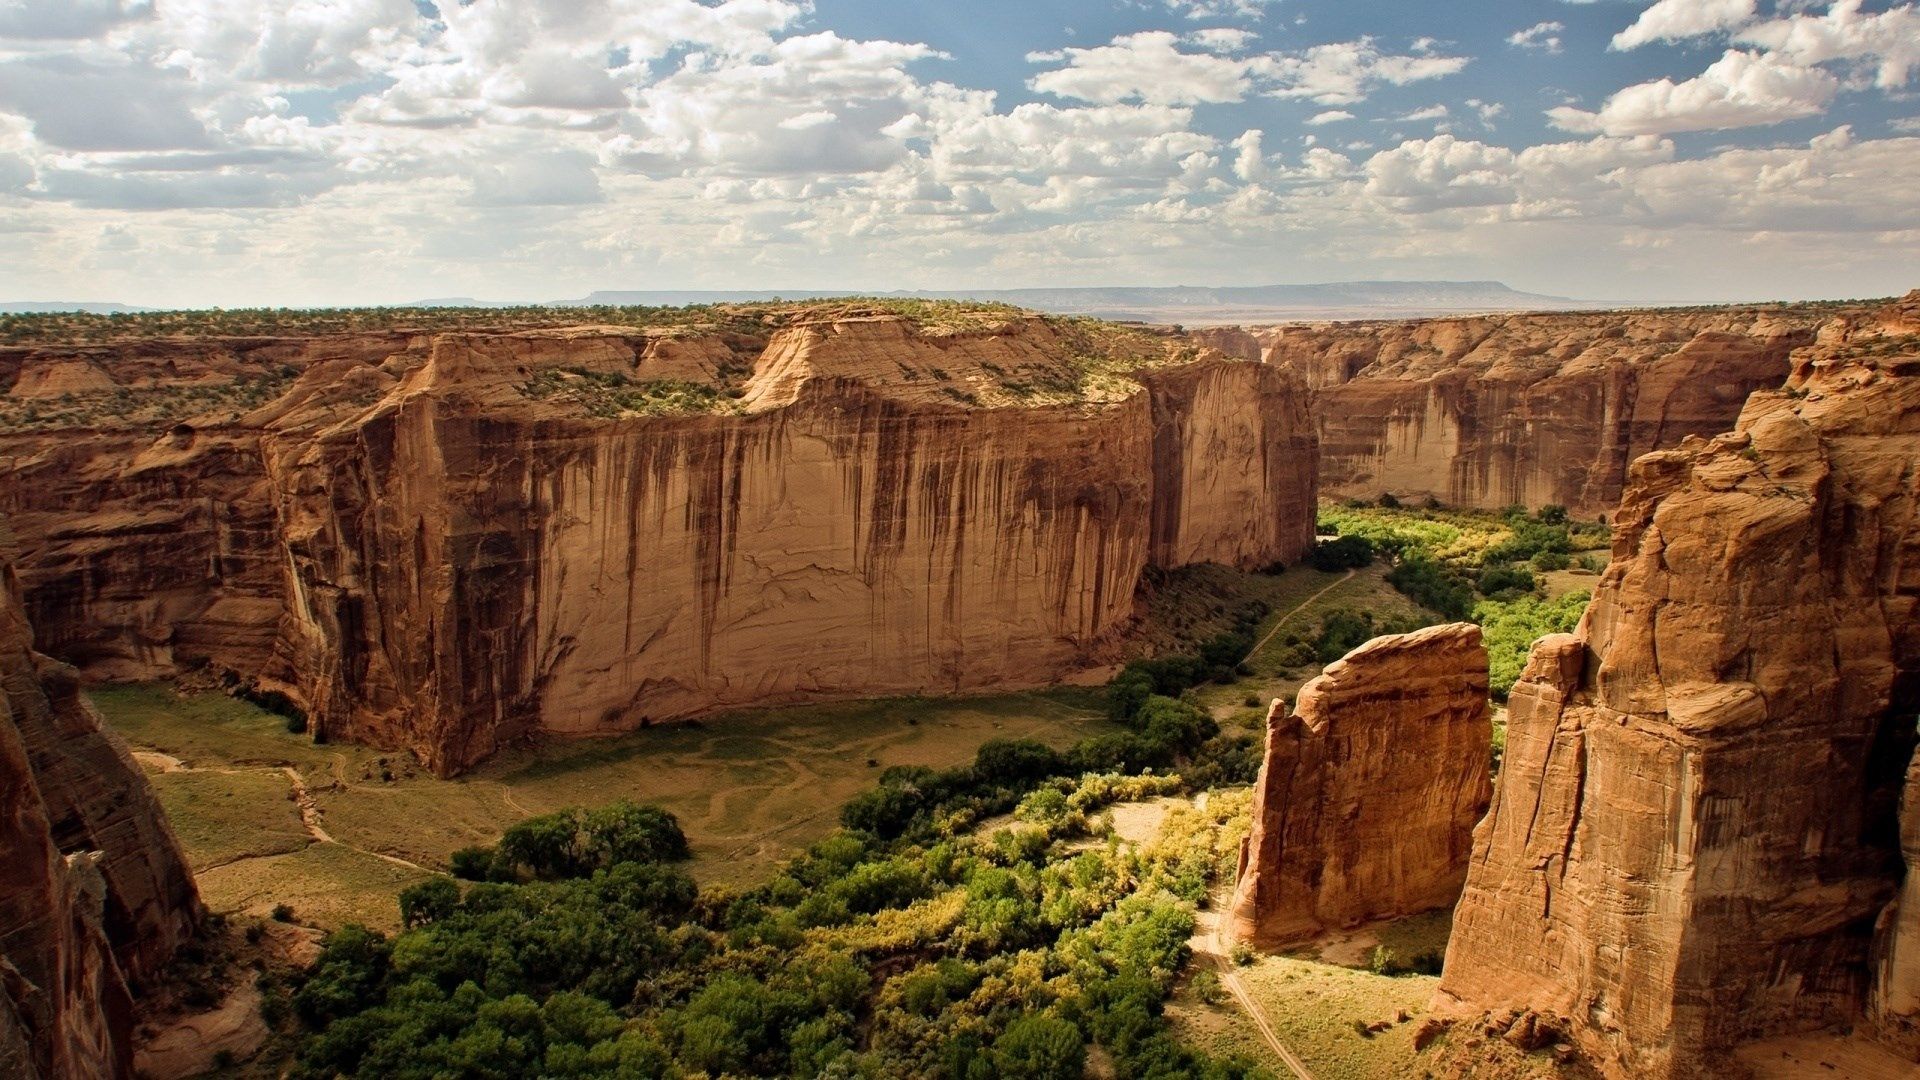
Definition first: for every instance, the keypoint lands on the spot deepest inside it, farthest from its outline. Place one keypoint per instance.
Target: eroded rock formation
(447, 542)
(1370, 789)
(1698, 826)
(1493, 410)
(94, 893)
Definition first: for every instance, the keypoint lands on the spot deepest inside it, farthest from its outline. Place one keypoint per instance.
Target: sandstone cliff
(1492, 410)
(94, 893)
(1697, 830)
(446, 542)
(1369, 792)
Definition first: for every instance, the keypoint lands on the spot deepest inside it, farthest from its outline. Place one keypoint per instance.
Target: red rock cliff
(1493, 410)
(94, 893)
(1368, 794)
(1697, 831)
(475, 537)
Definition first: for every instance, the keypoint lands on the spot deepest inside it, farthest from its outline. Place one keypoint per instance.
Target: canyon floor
(750, 789)
(334, 831)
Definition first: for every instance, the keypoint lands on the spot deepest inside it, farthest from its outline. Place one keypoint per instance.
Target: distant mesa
(1182, 303)
(52, 307)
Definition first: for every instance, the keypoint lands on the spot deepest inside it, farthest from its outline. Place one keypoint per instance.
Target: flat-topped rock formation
(1493, 410)
(1369, 791)
(95, 895)
(1700, 828)
(447, 541)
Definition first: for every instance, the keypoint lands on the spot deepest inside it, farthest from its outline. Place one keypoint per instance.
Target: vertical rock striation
(1698, 825)
(1493, 410)
(468, 571)
(94, 893)
(1369, 792)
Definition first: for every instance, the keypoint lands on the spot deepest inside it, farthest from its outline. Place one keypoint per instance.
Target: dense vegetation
(914, 942)
(1477, 566)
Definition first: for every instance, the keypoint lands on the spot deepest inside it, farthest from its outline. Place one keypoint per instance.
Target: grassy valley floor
(750, 789)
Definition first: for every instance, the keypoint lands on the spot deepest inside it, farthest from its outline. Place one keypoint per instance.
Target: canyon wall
(1493, 410)
(449, 542)
(1698, 828)
(1369, 791)
(95, 895)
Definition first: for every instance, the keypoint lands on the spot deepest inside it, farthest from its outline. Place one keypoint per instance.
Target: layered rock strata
(95, 895)
(1493, 410)
(1369, 790)
(1698, 826)
(448, 542)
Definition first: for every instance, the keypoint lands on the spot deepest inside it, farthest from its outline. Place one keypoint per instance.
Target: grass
(750, 788)
(327, 885)
(1313, 1003)
(223, 818)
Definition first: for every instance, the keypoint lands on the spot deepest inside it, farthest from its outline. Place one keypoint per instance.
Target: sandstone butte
(1699, 835)
(449, 541)
(1369, 790)
(95, 895)
(1494, 410)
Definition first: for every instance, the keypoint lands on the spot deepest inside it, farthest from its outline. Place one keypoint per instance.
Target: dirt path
(1297, 608)
(1217, 944)
(310, 817)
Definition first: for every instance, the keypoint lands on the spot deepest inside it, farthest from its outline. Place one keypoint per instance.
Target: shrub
(1382, 962)
(1552, 560)
(430, 900)
(471, 863)
(1342, 553)
(1511, 580)
(1427, 583)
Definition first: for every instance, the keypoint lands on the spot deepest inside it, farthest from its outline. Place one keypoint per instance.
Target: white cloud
(75, 104)
(1344, 73)
(43, 19)
(1329, 116)
(1672, 20)
(1741, 89)
(538, 179)
(1544, 36)
(1889, 40)
(1145, 67)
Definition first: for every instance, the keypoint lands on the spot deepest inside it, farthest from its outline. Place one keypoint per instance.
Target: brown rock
(1492, 410)
(1696, 828)
(94, 892)
(1369, 792)
(424, 552)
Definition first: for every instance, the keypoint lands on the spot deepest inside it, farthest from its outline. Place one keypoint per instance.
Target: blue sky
(362, 151)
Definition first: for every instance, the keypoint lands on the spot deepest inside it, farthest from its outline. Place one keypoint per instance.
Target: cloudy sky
(197, 152)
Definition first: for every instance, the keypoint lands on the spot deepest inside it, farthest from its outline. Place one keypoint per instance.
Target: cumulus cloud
(1741, 89)
(1150, 67)
(1544, 36)
(1889, 41)
(1344, 73)
(76, 104)
(1147, 67)
(749, 142)
(1672, 20)
(53, 19)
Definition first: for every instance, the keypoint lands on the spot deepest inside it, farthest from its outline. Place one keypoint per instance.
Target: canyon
(95, 895)
(1369, 789)
(1699, 837)
(447, 542)
(1531, 409)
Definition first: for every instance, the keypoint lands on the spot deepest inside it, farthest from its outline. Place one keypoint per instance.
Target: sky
(326, 152)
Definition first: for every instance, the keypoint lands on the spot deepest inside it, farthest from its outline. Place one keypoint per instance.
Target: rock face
(449, 542)
(1698, 827)
(95, 895)
(1494, 410)
(1369, 791)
